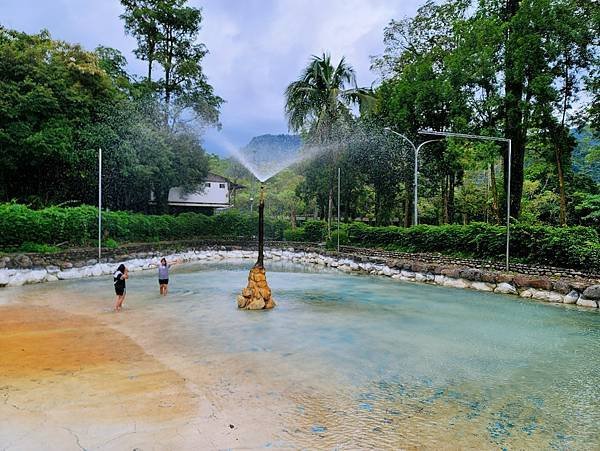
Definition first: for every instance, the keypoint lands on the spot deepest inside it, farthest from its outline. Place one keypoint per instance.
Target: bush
(79, 225)
(315, 231)
(332, 243)
(573, 247)
(39, 248)
(296, 234)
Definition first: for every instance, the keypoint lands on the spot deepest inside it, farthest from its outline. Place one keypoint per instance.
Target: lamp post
(487, 138)
(99, 203)
(416, 175)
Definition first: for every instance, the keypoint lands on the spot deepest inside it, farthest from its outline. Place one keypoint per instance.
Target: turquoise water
(373, 362)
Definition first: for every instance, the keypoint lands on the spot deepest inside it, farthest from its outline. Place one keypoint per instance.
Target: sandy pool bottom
(73, 380)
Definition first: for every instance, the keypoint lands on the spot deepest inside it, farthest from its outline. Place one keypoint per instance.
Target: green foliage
(38, 248)
(573, 247)
(312, 231)
(315, 231)
(78, 226)
(343, 234)
(296, 234)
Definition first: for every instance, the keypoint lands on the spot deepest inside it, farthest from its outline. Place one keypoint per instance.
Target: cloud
(257, 47)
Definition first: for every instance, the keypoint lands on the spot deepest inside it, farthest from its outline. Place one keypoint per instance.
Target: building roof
(211, 177)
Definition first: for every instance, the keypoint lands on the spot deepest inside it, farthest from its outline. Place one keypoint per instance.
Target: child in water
(163, 276)
(119, 277)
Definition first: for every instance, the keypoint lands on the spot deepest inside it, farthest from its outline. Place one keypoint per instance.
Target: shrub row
(79, 225)
(572, 247)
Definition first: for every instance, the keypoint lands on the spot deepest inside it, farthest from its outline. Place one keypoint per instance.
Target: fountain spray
(257, 295)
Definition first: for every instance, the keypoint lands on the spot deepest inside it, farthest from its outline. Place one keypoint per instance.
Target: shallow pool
(374, 362)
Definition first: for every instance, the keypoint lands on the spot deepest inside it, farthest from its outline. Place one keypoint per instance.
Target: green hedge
(573, 247)
(79, 225)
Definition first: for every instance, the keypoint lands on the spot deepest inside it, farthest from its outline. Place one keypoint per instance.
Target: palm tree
(320, 100)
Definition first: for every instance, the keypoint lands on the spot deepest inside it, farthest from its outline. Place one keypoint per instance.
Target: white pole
(508, 204)
(99, 203)
(416, 188)
(338, 233)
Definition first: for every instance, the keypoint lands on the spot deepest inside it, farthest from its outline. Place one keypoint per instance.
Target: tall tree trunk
(445, 200)
(451, 183)
(494, 186)
(407, 209)
(515, 129)
(293, 218)
(561, 185)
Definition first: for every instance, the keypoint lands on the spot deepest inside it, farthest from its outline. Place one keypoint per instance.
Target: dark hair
(163, 260)
(121, 268)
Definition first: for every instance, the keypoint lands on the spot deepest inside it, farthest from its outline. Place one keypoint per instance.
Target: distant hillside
(585, 145)
(271, 147)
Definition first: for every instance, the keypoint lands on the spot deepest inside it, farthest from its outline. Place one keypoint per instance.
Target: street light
(99, 203)
(416, 180)
(487, 138)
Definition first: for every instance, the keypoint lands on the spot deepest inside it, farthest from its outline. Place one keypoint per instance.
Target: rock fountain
(257, 295)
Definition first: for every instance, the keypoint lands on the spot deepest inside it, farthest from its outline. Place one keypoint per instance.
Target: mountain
(272, 147)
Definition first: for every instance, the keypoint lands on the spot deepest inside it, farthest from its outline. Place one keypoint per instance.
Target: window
(207, 184)
(222, 185)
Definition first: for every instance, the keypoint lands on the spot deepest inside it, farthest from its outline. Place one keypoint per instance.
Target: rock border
(560, 291)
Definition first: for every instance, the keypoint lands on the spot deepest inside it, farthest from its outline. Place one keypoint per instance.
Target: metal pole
(99, 203)
(416, 188)
(508, 204)
(261, 228)
(338, 232)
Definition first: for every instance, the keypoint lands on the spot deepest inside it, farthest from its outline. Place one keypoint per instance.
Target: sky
(257, 47)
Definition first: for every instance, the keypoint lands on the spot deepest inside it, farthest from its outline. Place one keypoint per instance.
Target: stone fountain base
(257, 295)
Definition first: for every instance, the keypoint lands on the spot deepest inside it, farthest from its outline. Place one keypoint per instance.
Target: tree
(166, 31)
(49, 92)
(516, 65)
(319, 103)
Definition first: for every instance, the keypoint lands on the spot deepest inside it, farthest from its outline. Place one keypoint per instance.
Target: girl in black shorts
(119, 277)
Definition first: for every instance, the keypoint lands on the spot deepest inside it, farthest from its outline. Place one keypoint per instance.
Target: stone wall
(559, 286)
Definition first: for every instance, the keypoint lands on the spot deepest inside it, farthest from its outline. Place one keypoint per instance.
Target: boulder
(38, 262)
(52, 269)
(592, 292)
(488, 276)
(584, 302)
(471, 274)
(420, 277)
(554, 296)
(571, 297)
(17, 280)
(439, 279)
(456, 283)
(35, 276)
(561, 286)
(69, 274)
(540, 295)
(483, 286)
(526, 293)
(505, 288)
(22, 261)
(408, 274)
(4, 277)
(522, 281)
(451, 272)
(51, 278)
(504, 278)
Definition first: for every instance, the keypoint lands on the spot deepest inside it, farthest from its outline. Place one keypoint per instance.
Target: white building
(215, 195)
